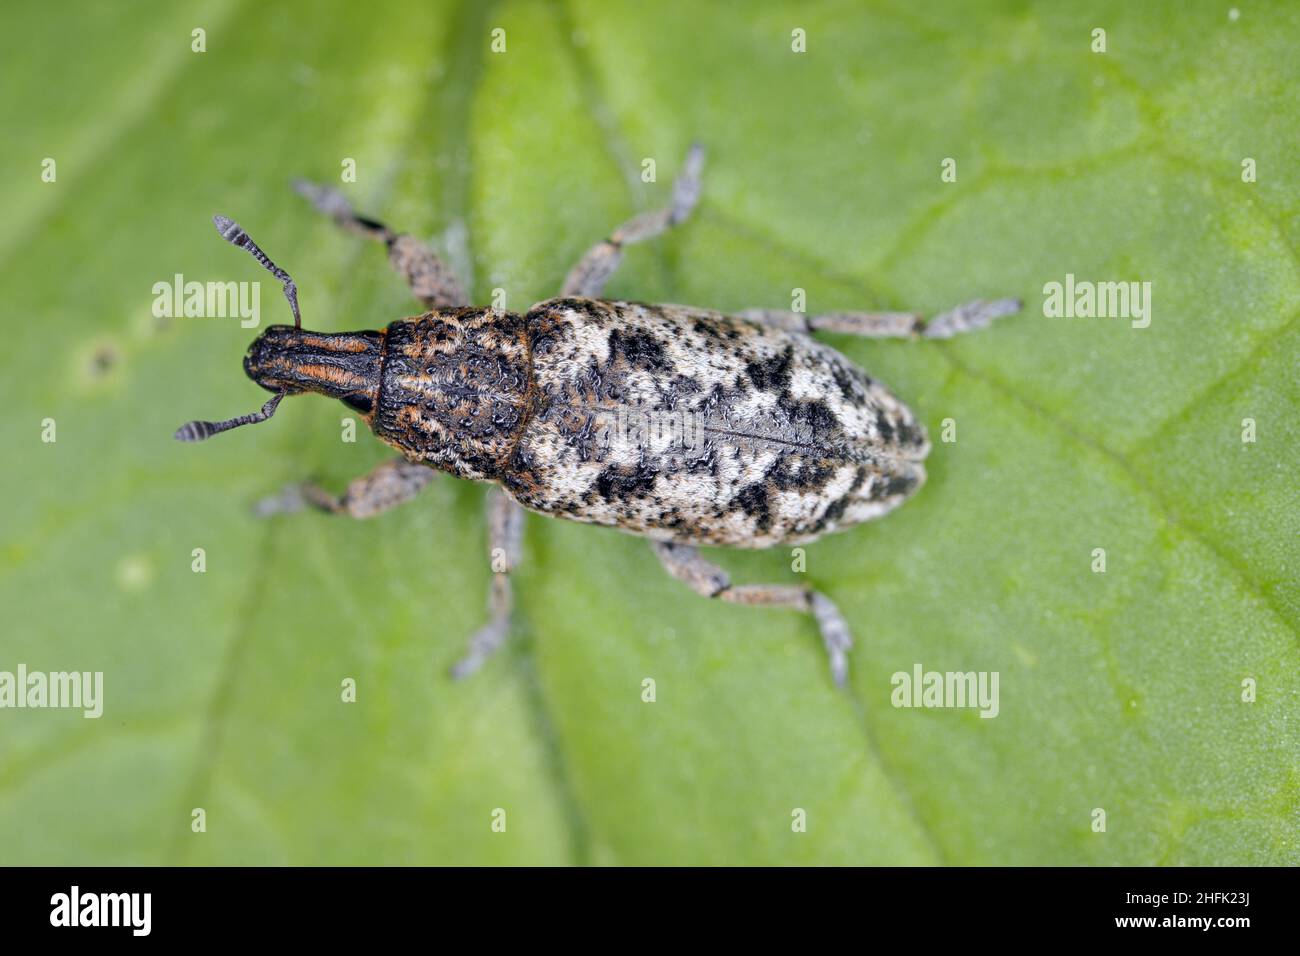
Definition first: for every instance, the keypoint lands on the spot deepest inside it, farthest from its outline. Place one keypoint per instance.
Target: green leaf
(1120, 691)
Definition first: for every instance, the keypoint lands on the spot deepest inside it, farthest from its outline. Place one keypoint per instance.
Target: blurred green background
(1120, 691)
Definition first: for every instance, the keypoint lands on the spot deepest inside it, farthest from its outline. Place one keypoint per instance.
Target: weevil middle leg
(430, 279)
(593, 270)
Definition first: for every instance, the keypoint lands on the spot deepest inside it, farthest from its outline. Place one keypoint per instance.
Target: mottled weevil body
(682, 425)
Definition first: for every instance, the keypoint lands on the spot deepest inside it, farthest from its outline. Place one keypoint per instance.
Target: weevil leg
(431, 280)
(505, 540)
(383, 488)
(703, 577)
(890, 325)
(593, 270)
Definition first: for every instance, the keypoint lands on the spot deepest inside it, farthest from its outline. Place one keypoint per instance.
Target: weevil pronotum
(746, 432)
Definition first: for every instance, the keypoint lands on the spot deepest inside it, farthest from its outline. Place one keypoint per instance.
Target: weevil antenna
(235, 235)
(197, 431)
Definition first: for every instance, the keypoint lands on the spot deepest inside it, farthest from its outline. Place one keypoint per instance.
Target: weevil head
(342, 365)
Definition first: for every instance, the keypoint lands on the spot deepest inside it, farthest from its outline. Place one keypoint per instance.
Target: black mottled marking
(886, 429)
(638, 349)
(585, 307)
(910, 435)
(771, 374)
(814, 415)
(589, 382)
(899, 483)
(622, 484)
(685, 385)
(850, 387)
(673, 519)
(798, 473)
(572, 507)
(859, 479)
(707, 328)
(717, 397)
(835, 510)
(704, 464)
(753, 500)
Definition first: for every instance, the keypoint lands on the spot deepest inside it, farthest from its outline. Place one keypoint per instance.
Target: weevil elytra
(683, 425)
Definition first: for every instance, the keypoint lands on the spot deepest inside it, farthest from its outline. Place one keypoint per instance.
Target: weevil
(682, 425)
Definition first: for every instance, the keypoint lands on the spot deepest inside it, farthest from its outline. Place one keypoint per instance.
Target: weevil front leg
(431, 280)
(505, 540)
(383, 488)
(593, 270)
(890, 325)
(703, 577)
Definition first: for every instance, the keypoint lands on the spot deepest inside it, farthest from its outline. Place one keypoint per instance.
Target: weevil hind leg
(890, 325)
(389, 484)
(593, 270)
(704, 577)
(505, 542)
(430, 279)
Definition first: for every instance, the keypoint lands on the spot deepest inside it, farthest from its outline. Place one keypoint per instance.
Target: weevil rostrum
(772, 437)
